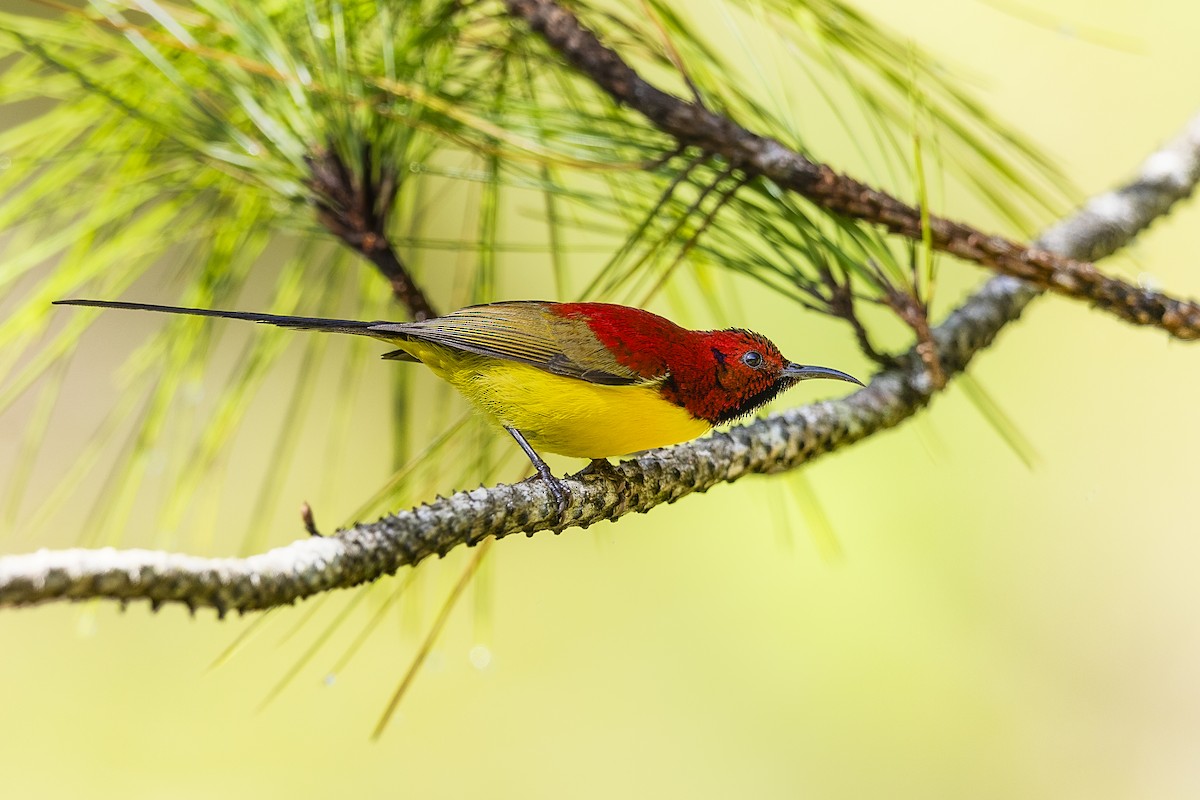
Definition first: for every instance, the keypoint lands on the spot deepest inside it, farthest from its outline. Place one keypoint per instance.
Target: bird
(584, 380)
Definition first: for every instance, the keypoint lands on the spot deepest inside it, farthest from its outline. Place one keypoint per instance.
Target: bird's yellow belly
(558, 414)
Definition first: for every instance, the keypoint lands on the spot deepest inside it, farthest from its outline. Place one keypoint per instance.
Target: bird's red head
(718, 376)
(727, 374)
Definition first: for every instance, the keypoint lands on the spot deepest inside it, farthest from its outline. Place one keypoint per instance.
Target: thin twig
(915, 314)
(841, 303)
(306, 516)
(692, 124)
(356, 207)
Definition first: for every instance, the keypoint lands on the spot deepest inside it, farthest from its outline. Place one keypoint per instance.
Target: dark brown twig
(840, 303)
(355, 207)
(914, 313)
(692, 124)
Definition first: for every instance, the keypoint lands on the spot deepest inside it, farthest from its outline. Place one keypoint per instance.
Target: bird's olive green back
(529, 332)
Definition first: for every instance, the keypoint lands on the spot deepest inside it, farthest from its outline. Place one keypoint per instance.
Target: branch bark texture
(691, 124)
(775, 444)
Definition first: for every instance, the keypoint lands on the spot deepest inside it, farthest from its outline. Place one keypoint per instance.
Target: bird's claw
(562, 495)
(556, 487)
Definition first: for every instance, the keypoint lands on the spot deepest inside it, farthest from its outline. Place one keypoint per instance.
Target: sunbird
(586, 380)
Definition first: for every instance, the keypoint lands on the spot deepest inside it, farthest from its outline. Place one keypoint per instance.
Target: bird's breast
(560, 414)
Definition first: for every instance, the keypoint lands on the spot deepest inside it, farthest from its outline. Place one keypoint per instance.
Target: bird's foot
(562, 495)
(556, 487)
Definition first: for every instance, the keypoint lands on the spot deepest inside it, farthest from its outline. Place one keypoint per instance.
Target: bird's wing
(529, 332)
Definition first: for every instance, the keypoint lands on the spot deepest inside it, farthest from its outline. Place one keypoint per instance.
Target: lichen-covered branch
(777, 443)
(692, 124)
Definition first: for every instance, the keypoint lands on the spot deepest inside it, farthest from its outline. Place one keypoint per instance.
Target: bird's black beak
(802, 373)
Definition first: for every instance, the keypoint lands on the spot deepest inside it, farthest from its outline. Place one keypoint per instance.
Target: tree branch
(355, 208)
(693, 124)
(777, 443)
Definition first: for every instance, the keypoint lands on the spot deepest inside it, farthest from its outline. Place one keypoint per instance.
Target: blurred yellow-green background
(989, 631)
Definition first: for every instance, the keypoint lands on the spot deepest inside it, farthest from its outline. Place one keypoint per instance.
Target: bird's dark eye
(753, 359)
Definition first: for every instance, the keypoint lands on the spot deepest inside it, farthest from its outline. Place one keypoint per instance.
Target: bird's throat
(716, 406)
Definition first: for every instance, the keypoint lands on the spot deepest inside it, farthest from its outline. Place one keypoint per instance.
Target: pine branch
(355, 207)
(691, 124)
(777, 443)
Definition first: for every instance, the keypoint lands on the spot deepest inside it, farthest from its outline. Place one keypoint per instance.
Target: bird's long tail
(300, 323)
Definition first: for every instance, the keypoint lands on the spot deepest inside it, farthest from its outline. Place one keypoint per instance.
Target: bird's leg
(543, 470)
